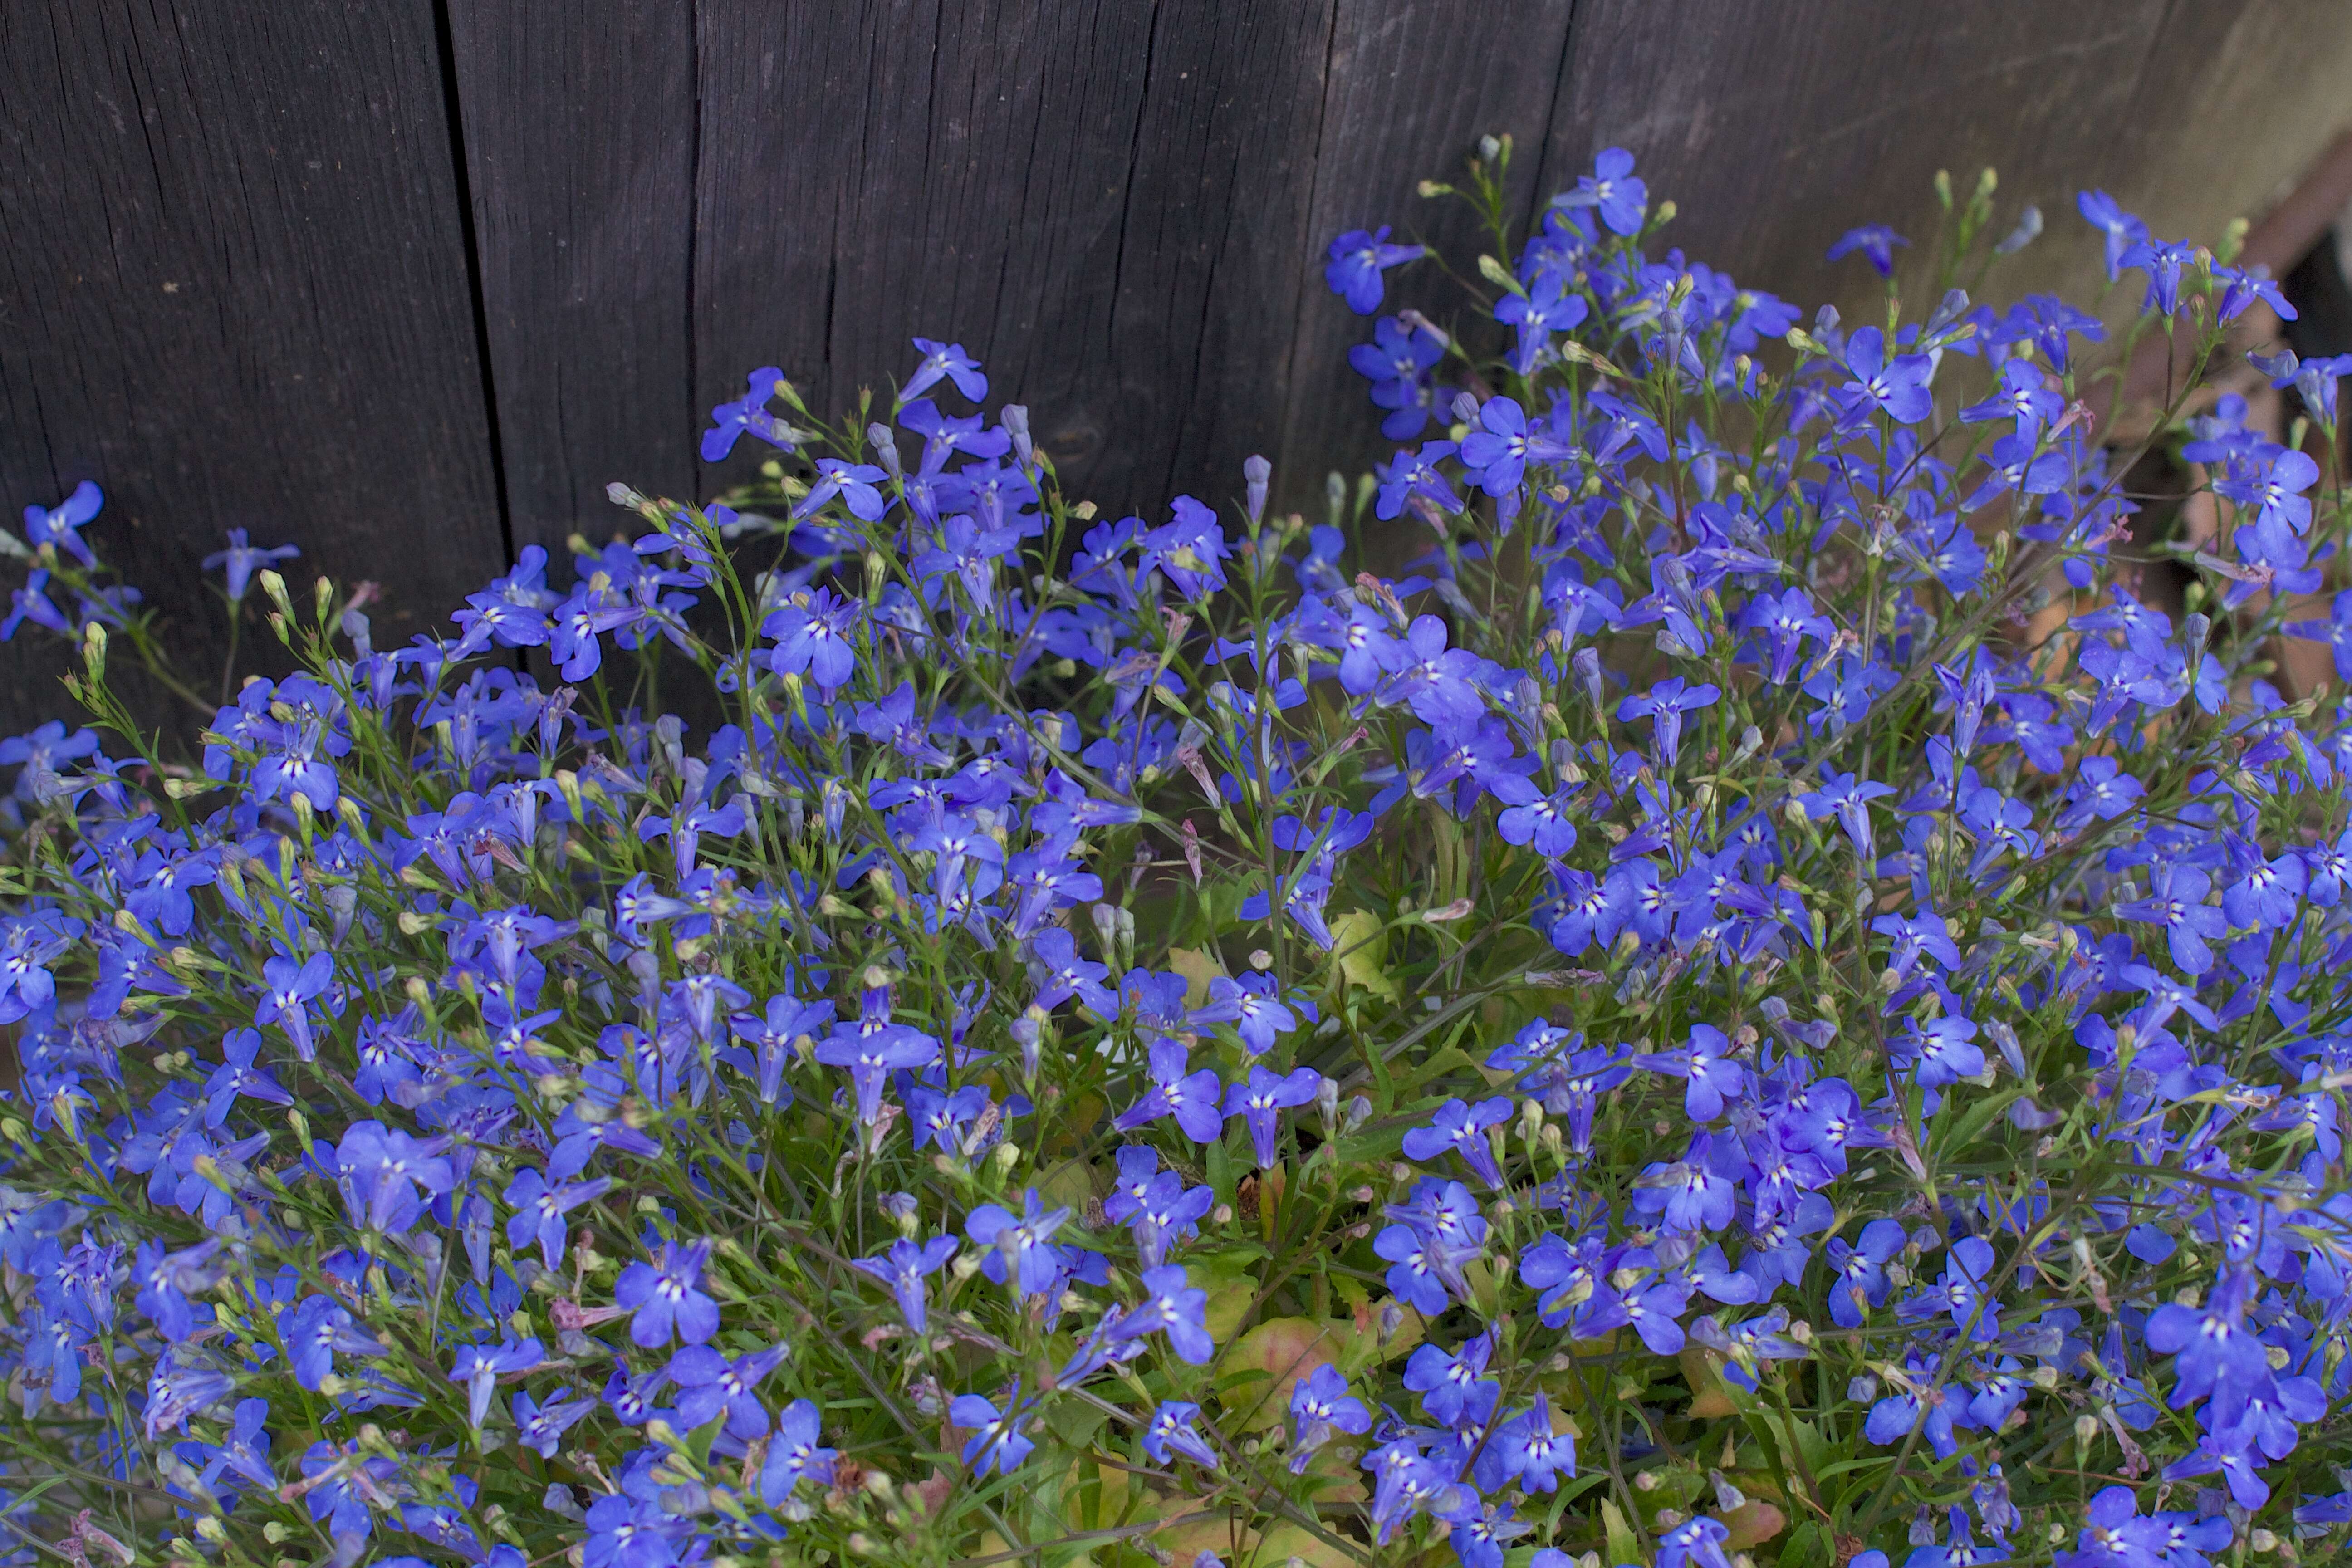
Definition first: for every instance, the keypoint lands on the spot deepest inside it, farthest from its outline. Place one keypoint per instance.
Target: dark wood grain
(1776, 128)
(581, 135)
(958, 184)
(1412, 86)
(2240, 104)
(238, 288)
(1105, 203)
(234, 292)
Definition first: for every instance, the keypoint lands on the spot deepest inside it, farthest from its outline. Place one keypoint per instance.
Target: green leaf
(1980, 1112)
(1230, 1295)
(1625, 1546)
(1223, 1175)
(1262, 1367)
(1808, 1547)
(1361, 943)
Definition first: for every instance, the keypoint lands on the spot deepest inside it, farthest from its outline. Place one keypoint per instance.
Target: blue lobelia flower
(667, 1297)
(1876, 244)
(748, 414)
(1357, 258)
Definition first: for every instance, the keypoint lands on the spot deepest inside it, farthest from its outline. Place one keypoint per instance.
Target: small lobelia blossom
(539, 1209)
(947, 362)
(59, 527)
(1260, 1100)
(1711, 1077)
(1170, 1433)
(1461, 1127)
(1874, 243)
(1357, 260)
(1193, 1098)
(870, 1050)
(709, 1386)
(288, 988)
(1612, 190)
(541, 1427)
(668, 1298)
(317, 1331)
(1171, 1306)
(904, 1268)
(997, 1443)
(748, 414)
(1895, 386)
(478, 1367)
(241, 561)
(1020, 1247)
(1321, 1406)
(793, 1454)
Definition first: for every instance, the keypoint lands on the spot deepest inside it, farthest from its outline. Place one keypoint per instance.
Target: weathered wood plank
(961, 152)
(1775, 128)
(581, 136)
(235, 293)
(1412, 89)
(1105, 203)
(2241, 100)
(1121, 208)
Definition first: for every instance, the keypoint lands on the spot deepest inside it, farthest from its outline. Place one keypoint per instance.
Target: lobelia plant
(1779, 995)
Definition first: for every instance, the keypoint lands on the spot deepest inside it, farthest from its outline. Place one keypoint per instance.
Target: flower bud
(1256, 472)
(886, 449)
(275, 586)
(1014, 417)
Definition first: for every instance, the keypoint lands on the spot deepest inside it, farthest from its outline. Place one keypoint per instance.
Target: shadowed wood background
(407, 282)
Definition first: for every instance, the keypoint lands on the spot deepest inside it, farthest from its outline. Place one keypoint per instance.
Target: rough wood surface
(1776, 128)
(409, 281)
(1412, 89)
(1106, 203)
(580, 137)
(234, 291)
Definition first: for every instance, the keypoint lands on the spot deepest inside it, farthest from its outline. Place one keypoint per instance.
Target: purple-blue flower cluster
(1772, 997)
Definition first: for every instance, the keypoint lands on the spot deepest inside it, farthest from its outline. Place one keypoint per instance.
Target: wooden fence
(407, 282)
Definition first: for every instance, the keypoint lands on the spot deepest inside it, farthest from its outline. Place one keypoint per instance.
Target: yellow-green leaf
(1623, 1546)
(1265, 1364)
(1362, 943)
(1198, 966)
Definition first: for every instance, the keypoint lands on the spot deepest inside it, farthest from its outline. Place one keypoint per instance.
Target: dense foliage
(1781, 990)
